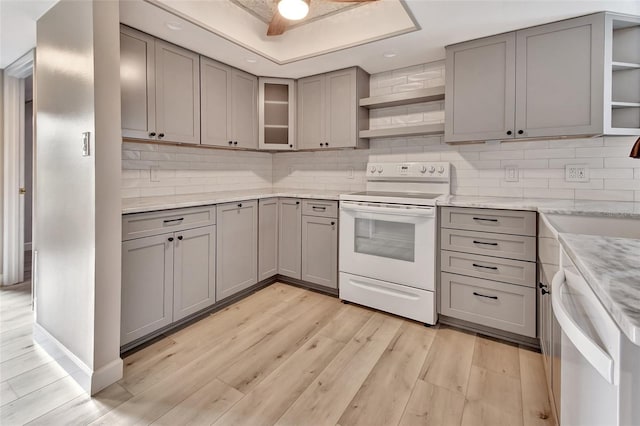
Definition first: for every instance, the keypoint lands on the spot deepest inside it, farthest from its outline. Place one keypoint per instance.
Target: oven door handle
(389, 209)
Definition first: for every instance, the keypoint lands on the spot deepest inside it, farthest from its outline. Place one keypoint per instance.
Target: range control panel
(409, 171)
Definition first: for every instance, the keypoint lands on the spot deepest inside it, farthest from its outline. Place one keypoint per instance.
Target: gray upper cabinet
(320, 251)
(215, 86)
(480, 89)
(289, 241)
(147, 286)
(329, 112)
(559, 78)
(237, 247)
(165, 104)
(244, 110)
(194, 271)
(137, 82)
(267, 238)
(177, 94)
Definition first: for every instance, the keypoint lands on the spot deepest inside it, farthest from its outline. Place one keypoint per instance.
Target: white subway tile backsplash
(477, 169)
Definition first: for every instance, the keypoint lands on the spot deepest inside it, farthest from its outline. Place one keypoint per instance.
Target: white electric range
(388, 239)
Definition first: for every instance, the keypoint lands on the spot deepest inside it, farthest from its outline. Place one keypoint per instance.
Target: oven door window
(393, 240)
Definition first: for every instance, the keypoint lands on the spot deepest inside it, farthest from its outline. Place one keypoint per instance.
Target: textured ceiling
(265, 9)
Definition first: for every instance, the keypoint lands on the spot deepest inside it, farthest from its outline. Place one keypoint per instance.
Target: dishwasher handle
(601, 361)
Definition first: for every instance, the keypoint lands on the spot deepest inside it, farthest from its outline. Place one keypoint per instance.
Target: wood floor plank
(23, 363)
(431, 405)
(535, 398)
(384, 394)
(449, 360)
(253, 366)
(202, 407)
(84, 409)
(37, 403)
(266, 403)
(294, 307)
(7, 394)
(18, 344)
(494, 390)
(36, 378)
(346, 323)
(498, 356)
(477, 413)
(177, 386)
(324, 401)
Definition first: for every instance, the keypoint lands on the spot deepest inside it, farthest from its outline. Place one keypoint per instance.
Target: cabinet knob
(297, 203)
(230, 142)
(333, 223)
(321, 144)
(170, 239)
(160, 135)
(290, 146)
(152, 134)
(235, 142)
(509, 132)
(540, 285)
(326, 144)
(543, 291)
(180, 237)
(239, 205)
(520, 132)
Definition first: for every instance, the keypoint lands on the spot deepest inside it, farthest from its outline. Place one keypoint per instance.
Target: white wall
(78, 204)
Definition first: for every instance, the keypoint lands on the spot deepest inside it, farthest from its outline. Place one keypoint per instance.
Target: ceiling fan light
(293, 10)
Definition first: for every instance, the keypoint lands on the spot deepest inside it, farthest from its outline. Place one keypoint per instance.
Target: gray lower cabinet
(267, 238)
(237, 247)
(165, 278)
(147, 286)
(194, 285)
(320, 250)
(289, 237)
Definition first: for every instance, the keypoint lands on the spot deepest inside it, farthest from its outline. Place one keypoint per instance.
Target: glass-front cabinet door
(277, 112)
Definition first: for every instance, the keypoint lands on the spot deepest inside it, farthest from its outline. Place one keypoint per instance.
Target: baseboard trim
(491, 332)
(91, 381)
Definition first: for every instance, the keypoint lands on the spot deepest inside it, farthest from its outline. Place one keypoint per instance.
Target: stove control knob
(441, 170)
(380, 169)
(423, 169)
(432, 169)
(373, 169)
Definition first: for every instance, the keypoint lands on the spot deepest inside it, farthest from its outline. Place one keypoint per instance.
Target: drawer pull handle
(173, 220)
(485, 219)
(484, 295)
(486, 244)
(495, 268)
(316, 208)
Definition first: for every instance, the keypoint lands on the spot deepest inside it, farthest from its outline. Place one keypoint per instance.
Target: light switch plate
(86, 144)
(511, 174)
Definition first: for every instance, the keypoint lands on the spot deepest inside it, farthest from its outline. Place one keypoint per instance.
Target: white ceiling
(441, 23)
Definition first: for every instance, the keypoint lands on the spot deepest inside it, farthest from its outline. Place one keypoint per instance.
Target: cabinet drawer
(146, 224)
(493, 268)
(323, 208)
(503, 306)
(489, 244)
(487, 220)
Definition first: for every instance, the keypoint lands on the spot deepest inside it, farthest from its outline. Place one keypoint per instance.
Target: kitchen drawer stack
(488, 268)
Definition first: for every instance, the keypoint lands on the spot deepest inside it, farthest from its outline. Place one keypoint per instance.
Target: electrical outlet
(155, 174)
(511, 174)
(576, 173)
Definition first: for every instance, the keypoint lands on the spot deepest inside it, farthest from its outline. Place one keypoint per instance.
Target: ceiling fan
(294, 10)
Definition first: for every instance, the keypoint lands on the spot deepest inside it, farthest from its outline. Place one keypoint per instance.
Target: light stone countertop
(572, 207)
(166, 202)
(611, 267)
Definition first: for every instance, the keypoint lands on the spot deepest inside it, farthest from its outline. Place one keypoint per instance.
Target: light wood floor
(283, 356)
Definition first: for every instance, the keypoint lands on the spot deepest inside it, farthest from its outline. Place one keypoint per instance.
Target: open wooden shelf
(421, 130)
(404, 98)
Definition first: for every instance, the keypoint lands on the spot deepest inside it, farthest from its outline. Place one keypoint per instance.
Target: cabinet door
(276, 113)
(559, 84)
(147, 286)
(311, 123)
(480, 89)
(137, 84)
(341, 108)
(177, 94)
(290, 237)
(237, 247)
(215, 79)
(268, 238)
(194, 279)
(244, 110)
(320, 250)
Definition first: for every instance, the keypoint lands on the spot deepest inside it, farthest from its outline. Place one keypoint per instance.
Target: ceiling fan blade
(277, 26)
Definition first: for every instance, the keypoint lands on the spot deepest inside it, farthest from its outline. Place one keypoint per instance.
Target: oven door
(389, 242)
